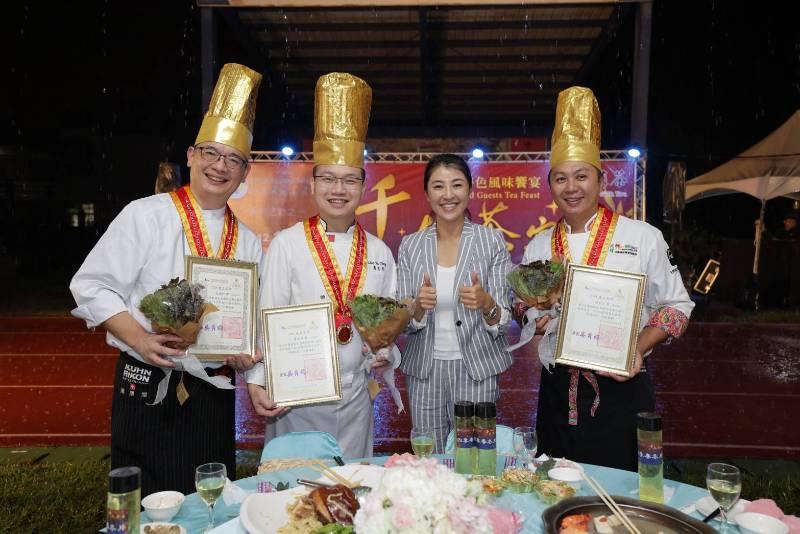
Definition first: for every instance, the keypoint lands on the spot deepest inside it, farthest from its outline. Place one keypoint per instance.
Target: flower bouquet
(380, 320)
(418, 495)
(177, 308)
(539, 284)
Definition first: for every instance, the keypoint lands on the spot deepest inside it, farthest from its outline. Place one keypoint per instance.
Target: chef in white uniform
(169, 431)
(293, 271)
(596, 422)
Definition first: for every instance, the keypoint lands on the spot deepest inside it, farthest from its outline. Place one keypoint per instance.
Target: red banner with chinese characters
(512, 197)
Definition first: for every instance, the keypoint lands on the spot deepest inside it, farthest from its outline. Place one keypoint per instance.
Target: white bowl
(163, 505)
(570, 475)
(754, 523)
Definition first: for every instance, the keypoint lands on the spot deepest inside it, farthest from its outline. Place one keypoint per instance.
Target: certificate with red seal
(301, 356)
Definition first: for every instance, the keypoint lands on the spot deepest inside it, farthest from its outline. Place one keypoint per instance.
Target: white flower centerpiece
(418, 495)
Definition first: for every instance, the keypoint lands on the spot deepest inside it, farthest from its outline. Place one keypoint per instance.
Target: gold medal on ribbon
(320, 247)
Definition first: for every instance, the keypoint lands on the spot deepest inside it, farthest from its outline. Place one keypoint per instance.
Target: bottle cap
(650, 421)
(486, 410)
(464, 409)
(124, 479)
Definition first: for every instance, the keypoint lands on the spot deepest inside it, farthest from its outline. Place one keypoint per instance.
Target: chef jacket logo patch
(670, 257)
(619, 248)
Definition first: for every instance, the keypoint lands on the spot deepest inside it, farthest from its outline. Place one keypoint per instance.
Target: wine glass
(724, 482)
(422, 442)
(209, 479)
(525, 444)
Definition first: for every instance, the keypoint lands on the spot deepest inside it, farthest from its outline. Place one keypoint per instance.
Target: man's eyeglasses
(351, 181)
(211, 155)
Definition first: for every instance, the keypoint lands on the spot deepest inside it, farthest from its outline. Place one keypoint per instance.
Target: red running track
(724, 390)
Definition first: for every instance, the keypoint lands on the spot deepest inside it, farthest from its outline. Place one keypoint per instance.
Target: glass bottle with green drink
(651, 458)
(466, 451)
(124, 500)
(486, 437)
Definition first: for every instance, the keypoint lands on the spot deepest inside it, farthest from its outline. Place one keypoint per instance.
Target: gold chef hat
(576, 134)
(341, 115)
(232, 111)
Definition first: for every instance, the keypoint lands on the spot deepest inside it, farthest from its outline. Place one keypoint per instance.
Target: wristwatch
(491, 314)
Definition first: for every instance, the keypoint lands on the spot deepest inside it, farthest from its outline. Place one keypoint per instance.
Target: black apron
(168, 441)
(608, 438)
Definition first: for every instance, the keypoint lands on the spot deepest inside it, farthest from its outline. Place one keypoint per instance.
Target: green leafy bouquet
(380, 320)
(177, 308)
(539, 284)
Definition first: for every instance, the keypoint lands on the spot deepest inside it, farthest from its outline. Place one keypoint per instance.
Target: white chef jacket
(290, 277)
(142, 249)
(635, 247)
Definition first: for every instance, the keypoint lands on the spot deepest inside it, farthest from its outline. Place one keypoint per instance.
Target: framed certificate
(600, 319)
(231, 286)
(300, 354)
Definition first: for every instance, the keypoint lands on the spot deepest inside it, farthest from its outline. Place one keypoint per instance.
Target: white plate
(162, 524)
(265, 513)
(706, 505)
(560, 462)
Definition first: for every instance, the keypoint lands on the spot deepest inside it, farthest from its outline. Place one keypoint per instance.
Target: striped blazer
(481, 250)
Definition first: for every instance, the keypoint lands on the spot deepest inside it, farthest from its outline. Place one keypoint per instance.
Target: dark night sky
(102, 91)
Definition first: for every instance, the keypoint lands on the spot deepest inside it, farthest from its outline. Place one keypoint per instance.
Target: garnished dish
(552, 491)
(162, 528)
(520, 479)
(491, 485)
(311, 512)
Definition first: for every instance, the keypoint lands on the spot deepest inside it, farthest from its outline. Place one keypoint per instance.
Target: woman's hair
(447, 160)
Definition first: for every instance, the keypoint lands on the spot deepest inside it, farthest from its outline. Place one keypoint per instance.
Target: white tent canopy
(768, 169)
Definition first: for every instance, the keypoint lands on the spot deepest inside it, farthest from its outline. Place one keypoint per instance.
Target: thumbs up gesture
(426, 298)
(473, 297)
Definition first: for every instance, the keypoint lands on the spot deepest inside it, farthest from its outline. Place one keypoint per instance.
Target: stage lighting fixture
(287, 151)
(477, 153)
(634, 152)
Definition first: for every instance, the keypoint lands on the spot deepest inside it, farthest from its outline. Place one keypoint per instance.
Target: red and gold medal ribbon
(599, 238)
(593, 255)
(194, 228)
(328, 267)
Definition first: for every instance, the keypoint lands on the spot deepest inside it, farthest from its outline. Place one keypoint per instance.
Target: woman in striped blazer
(456, 272)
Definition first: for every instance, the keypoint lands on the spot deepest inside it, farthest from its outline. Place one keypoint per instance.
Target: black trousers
(608, 438)
(168, 441)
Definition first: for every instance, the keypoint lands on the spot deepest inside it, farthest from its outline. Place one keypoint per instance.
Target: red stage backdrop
(512, 197)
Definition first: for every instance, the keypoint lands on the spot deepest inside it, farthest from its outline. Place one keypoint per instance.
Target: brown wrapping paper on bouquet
(385, 333)
(188, 332)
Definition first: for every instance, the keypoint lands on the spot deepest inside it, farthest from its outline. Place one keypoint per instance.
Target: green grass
(64, 489)
(53, 497)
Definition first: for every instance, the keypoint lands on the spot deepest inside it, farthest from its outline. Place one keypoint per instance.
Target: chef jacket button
(458, 323)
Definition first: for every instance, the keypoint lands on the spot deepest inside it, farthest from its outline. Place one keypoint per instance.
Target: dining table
(193, 515)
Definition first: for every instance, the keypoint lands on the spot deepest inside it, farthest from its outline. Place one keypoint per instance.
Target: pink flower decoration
(765, 506)
(505, 521)
(402, 517)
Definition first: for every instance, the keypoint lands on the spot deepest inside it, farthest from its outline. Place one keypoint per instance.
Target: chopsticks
(322, 467)
(606, 498)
